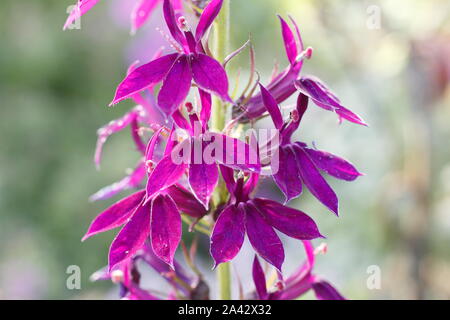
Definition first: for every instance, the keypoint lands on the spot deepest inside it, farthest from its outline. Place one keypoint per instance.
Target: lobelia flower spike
(300, 163)
(256, 217)
(139, 16)
(297, 284)
(177, 70)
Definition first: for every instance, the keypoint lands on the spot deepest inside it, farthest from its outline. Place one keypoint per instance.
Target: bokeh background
(394, 72)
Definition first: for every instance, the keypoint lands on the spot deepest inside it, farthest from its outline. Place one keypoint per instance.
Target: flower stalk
(218, 118)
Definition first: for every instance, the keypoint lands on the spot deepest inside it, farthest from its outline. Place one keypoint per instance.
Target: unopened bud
(322, 249)
(117, 276)
(295, 116)
(182, 22)
(189, 107)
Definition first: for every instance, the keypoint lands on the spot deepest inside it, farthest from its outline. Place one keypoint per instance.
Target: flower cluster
(193, 173)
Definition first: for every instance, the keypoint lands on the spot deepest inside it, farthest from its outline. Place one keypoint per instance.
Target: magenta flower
(199, 156)
(160, 219)
(141, 12)
(300, 282)
(300, 165)
(257, 218)
(281, 85)
(177, 70)
(128, 276)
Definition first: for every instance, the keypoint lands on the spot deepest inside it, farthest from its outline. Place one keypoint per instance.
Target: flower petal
(272, 107)
(82, 7)
(234, 153)
(325, 291)
(207, 18)
(316, 184)
(142, 12)
(292, 222)
(206, 103)
(165, 228)
(186, 202)
(228, 234)
(210, 76)
(333, 165)
(203, 179)
(289, 41)
(324, 98)
(259, 279)
(116, 215)
(114, 126)
(143, 77)
(263, 238)
(129, 182)
(287, 177)
(169, 16)
(175, 86)
(132, 237)
(165, 174)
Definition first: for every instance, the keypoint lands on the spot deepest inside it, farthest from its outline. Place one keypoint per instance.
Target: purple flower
(285, 84)
(127, 275)
(281, 85)
(300, 282)
(300, 165)
(257, 218)
(199, 156)
(141, 12)
(177, 70)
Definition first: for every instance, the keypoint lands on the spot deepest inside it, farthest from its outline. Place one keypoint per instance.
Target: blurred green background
(55, 86)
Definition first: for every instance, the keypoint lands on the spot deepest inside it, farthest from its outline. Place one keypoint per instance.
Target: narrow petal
(208, 16)
(165, 174)
(325, 291)
(186, 202)
(132, 237)
(234, 153)
(289, 41)
(131, 181)
(82, 7)
(206, 103)
(263, 238)
(316, 184)
(326, 99)
(228, 177)
(333, 165)
(259, 279)
(106, 131)
(143, 77)
(169, 16)
(228, 234)
(175, 86)
(210, 76)
(272, 107)
(203, 179)
(116, 215)
(287, 177)
(165, 228)
(142, 12)
(292, 222)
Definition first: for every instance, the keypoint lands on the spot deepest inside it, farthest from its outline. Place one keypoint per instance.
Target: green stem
(224, 277)
(222, 40)
(218, 118)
